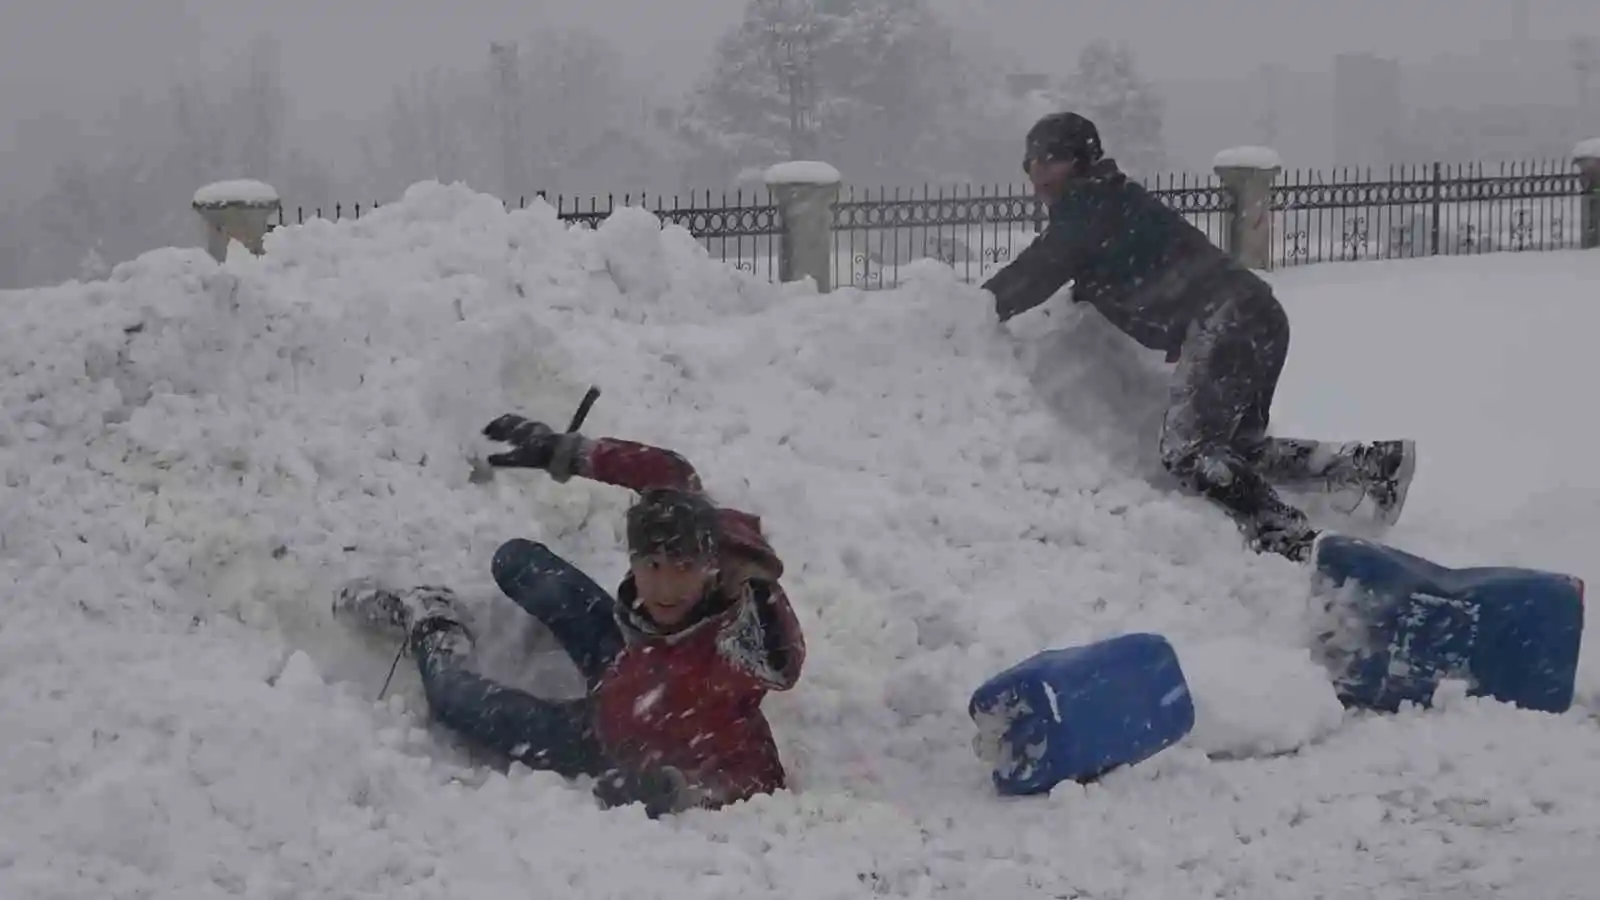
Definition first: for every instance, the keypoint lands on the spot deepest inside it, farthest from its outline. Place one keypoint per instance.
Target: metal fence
(976, 230)
(1434, 210)
(1340, 215)
(740, 228)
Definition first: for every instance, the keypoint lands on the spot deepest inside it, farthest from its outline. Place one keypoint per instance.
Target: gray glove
(535, 446)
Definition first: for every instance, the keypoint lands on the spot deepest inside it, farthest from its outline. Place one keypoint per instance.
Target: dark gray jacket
(1130, 256)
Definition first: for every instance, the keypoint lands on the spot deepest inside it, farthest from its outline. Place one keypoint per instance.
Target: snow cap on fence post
(1587, 157)
(239, 210)
(1247, 174)
(805, 193)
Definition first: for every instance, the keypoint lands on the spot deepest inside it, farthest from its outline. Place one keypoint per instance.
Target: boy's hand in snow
(663, 790)
(535, 446)
(514, 429)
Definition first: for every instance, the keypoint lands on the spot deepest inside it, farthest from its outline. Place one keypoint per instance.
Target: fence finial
(805, 193)
(239, 210)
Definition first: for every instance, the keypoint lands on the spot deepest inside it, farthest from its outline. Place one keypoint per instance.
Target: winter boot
(1269, 524)
(1387, 468)
(370, 606)
(1379, 471)
(1287, 535)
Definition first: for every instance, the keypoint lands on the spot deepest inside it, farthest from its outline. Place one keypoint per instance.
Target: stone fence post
(1587, 157)
(805, 194)
(236, 211)
(1247, 174)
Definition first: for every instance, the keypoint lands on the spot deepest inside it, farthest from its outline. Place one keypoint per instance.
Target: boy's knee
(1180, 461)
(515, 557)
(1199, 467)
(1181, 443)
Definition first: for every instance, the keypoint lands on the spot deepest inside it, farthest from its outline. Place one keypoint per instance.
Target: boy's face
(1049, 177)
(669, 589)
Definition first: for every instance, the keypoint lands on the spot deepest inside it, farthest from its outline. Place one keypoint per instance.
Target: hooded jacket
(1138, 262)
(690, 698)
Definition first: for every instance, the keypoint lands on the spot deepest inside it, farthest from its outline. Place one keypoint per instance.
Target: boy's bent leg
(1381, 470)
(1229, 366)
(575, 609)
(540, 733)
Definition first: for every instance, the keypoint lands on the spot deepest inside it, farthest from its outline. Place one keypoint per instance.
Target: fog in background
(111, 114)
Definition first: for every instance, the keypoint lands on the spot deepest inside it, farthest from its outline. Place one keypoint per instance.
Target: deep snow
(193, 455)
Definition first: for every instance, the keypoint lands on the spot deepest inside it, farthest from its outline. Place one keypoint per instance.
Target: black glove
(535, 446)
(662, 790)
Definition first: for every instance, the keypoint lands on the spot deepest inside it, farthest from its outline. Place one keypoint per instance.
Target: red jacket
(691, 699)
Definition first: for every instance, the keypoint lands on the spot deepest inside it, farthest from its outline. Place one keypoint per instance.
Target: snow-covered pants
(1213, 437)
(543, 734)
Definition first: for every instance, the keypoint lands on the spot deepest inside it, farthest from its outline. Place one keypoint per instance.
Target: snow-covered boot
(1379, 471)
(372, 607)
(1387, 468)
(1283, 530)
(1269, 524)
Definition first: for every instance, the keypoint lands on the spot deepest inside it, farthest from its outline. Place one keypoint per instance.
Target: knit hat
(1063, 136)
(678, 524)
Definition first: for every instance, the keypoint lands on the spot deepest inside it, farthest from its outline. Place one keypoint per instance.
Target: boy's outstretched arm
(1042, 268)
(628, 464)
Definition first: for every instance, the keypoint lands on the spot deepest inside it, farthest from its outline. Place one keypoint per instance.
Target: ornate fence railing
(974, 230)
(1434, 210)
(1315, 216)
(741, 228)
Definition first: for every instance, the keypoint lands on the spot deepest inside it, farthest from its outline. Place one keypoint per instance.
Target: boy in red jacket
(677, 663)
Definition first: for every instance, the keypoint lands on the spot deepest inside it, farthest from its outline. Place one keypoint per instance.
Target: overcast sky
(342, 55)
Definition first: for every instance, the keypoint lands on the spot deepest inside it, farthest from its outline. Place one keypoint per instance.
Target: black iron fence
(1341, 215)
(1434, 210)
(975, 230)
(740, 228)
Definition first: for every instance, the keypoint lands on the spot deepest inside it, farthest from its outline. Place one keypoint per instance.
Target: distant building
(1369, 114)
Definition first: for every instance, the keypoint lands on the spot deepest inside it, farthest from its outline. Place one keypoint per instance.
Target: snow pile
(192, 456)
(1589, 149)
(243, 191)
(1248, 157)
(802, 172)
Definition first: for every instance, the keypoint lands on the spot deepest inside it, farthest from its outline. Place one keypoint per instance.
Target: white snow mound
(192, 456)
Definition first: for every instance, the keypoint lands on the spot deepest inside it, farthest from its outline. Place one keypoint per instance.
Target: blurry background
(111, 114)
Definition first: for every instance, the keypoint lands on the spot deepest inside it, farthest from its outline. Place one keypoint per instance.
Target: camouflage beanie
(678, 524)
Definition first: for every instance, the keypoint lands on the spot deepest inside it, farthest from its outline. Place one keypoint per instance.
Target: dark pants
(543, 734)
(1213, 438)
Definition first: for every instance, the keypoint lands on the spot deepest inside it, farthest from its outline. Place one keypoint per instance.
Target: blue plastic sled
(1511, 633)
(1077, 713)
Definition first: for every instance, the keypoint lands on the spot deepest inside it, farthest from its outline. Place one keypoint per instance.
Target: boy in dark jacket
(676, 665)
(1160, 280)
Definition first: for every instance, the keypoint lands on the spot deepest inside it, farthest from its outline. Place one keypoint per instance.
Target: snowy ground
(193, 456)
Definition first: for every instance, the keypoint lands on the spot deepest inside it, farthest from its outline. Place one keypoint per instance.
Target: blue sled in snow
(1407, 623)
(1077, 713)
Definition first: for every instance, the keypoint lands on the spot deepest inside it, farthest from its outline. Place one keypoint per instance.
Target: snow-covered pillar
(1587, 157)
(1247, 174)
(236, 211)
(805, 192)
